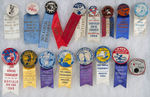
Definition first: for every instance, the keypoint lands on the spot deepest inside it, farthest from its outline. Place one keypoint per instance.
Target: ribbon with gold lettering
(29, 60)
(65, 60)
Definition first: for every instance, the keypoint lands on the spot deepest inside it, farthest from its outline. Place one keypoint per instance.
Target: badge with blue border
(10, 56)
(103, 54)
(121, 55)
(85, 56)
(93, 10)
(141, 9)
(29, 58)
(47, 59)
(79, 8)
(66, 58)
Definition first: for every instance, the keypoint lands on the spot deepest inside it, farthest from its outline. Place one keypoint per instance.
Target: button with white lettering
(32, 8)
(66, 58)
(51, 7)
(107, 11)
(121, 55)
(137, 66)
(93, 10)
(10, 56)
(28, 58)
(12, 10)
(79, 8)
(141, 9)
(123, 10)
(47, 60)
(85, 56)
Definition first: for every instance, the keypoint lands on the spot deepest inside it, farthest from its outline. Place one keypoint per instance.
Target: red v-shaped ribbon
(63, 38)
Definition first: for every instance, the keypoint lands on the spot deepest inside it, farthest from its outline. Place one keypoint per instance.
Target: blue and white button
(79, 8)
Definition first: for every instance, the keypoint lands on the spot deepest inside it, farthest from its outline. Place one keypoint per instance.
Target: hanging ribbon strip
(11, 79)
(86, 74)
(31, 28)
(120, 75)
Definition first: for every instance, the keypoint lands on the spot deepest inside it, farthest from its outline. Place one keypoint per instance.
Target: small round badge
(123, 10)
(12, 10)
(121, 55)
(66, 58)
(29, 58)
(103, 54)
(137, 66)
(10, 56)
(51, 7)
(32, 8)
(107, 11)
(93, 10)
(47, 59)
(85, 56)
(79, 8)
(141, 9)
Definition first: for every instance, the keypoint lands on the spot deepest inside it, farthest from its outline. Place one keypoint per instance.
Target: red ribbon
(63, 38)
(103, 27)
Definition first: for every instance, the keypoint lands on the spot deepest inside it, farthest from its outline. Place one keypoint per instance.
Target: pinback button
(28, 58)
(137, 66)
(79, 8)
(93, 10)
(85, 56)
(51, 7)
(123, 10)
(47, 59)
(141, 9)
(10, 56)
(107, 11)
(32, 8)
(12, 10)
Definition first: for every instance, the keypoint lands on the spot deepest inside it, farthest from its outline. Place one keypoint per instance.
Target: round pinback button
(51, 7)
(12, 10)
(66, 58)
(141, 9)
(120, 55)
(85, 56)
(47, 59)
(102, 54)
(123, 10)
(29, 58)
(10, 56)
(107, 11)
(32, 8)
(93, 10)
(137, 66)
(79, 8)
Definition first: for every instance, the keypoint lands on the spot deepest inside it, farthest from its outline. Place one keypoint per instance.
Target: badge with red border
(137, 66)
(107, 11)
(121, 55)
(10, 56)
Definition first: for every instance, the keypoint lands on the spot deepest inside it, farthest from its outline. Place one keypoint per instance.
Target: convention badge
(50, 9)
(65, 60)
(11, 22)
(120, 56)
(10, 58)
(123, 20)
(107, 21)
(85, 57)
(140, 18)
(46, 61)
(31, 24)
(102, 55)
(29, 60)
(93, 24)
(137, 66)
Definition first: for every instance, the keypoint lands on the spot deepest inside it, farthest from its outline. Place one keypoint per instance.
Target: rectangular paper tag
(11, 27)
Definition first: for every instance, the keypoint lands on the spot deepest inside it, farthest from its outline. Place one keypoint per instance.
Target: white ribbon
(107, 27)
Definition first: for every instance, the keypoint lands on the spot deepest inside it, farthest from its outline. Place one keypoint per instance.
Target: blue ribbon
(111, 26)
(45, 30)
(31, 28)
(122, 29)
(120, 77)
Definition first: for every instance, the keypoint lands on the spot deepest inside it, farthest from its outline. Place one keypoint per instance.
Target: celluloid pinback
(12, 10)
(51, 7)
(32, 8)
